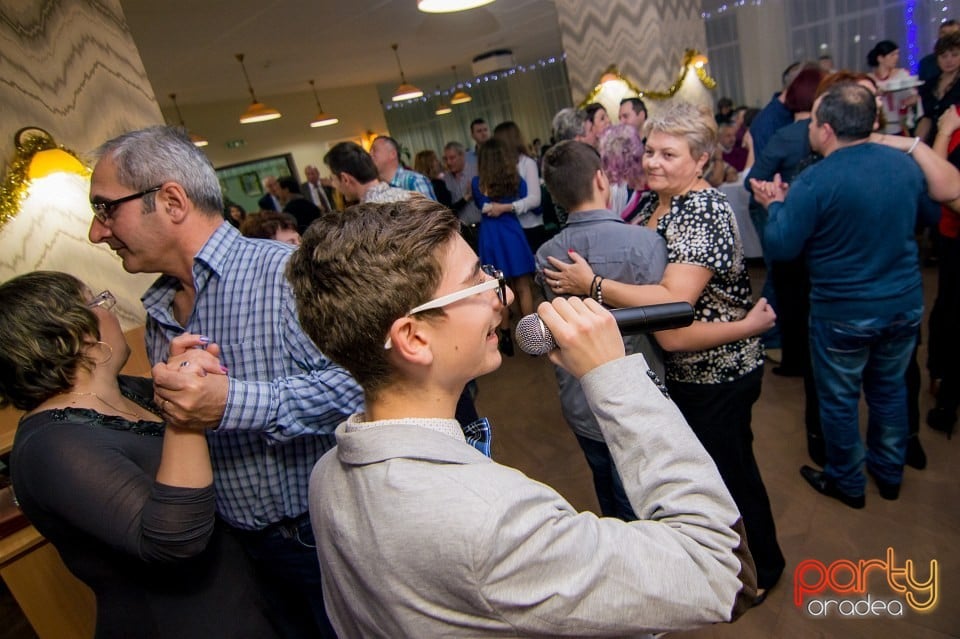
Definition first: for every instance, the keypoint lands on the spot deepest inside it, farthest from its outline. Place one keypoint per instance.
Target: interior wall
(357, 107)
(71, 68)
(646, 40)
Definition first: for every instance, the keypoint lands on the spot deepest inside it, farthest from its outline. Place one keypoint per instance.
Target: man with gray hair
(272, 412)
(457, 177)
(853, 216)
(573, 124)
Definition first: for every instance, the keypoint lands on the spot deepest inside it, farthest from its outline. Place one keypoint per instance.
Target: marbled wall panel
(70, 67)
(646, 39)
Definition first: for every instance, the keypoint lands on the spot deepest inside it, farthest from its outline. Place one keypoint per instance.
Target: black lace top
(701, 229)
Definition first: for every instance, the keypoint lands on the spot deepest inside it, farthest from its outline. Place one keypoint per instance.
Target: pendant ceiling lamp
(442, 107)
(461, 96)
(449, 6)
(198, 140)
(404, 91)
(322, 119)
(257, 111)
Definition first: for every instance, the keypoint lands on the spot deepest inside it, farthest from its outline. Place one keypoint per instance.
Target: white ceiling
(188, 46)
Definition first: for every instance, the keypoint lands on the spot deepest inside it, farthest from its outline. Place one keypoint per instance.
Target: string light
(484, 79)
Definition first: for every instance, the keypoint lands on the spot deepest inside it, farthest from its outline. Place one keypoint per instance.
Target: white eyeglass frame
(497, 281)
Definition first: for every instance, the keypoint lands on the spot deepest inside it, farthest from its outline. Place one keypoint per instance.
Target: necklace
(105, 402)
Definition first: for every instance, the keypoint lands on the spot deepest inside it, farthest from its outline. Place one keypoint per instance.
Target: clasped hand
(191, 387)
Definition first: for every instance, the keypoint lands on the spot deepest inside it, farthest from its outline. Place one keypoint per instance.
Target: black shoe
(887, 490)
(916, 458)
(939, 419)
(825, 486)
(506, 343)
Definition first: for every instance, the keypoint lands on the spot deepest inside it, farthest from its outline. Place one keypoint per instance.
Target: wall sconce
(613, 86)
(37, 156)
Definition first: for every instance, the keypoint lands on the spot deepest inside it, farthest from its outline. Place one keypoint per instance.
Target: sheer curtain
(529, 98)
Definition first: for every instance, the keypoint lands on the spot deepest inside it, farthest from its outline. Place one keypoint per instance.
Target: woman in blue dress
(502, 242)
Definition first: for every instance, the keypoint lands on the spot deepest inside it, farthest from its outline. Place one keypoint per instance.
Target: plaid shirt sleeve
(314, 402)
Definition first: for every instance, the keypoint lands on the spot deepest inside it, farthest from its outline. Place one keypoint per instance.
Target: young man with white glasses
(419, 533)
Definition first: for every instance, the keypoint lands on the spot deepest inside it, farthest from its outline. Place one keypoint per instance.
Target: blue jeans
(873, 354)
(606, 480)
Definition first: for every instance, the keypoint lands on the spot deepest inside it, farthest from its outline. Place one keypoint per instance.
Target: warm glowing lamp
(459, 96)
(442, 107)
(257, 111)
(449, 6)
(37, 156)
(405, 91)
(322, 118)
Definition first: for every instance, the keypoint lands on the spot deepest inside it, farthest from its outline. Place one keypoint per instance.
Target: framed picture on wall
(242, 182)
(251, 184)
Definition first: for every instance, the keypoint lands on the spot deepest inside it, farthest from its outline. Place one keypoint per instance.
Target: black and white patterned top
(701, 229)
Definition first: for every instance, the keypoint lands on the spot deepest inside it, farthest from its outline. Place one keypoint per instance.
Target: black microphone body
(534, 338)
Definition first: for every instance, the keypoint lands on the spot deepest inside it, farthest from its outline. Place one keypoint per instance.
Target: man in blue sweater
(853, 215)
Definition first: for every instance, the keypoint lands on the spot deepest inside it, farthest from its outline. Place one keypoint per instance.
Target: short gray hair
(158, 154)
(456, 146)
(691, 122)
(568, 124)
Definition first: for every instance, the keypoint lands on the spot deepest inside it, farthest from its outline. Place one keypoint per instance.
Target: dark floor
(923, 525)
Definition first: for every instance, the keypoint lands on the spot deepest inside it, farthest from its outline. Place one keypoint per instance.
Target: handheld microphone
(534, 338)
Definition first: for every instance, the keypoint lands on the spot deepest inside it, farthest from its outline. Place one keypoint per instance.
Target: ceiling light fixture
(449, 6)
(257, 111)
(460, 96)
(442, 108)
(198, 140)
(404, 91)
(322, 119)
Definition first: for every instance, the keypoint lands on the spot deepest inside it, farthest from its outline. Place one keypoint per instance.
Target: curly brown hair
(45, 328)
(497, 167)
(357, 272)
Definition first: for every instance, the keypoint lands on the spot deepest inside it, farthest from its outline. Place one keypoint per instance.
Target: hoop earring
(109, 354)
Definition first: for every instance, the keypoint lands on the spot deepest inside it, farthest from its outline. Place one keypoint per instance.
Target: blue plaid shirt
(412, 181)
(285, 397)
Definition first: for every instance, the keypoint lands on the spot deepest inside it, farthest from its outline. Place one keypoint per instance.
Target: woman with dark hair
(127, 502)
(502, 242)
(235, 214)
(943, 91)
(427, 163)
(714, 368)
(897, 88)
(599, 120)
(271, 225)
(527, 208)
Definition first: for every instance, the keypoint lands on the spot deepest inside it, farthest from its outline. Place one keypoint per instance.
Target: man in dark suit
(294, 203)
(271, 199)
(313, 190)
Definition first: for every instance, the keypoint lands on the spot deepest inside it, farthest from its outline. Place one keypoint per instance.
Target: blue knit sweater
(853, 214)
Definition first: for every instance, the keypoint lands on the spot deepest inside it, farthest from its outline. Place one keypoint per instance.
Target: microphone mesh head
(533, 336)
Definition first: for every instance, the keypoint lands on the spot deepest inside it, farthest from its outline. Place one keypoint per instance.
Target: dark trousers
(791, 283)
(720, 416)
(606, 480)
(944, 350)
(285, 554)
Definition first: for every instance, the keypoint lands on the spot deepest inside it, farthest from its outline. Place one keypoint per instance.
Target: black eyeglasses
(103, 210)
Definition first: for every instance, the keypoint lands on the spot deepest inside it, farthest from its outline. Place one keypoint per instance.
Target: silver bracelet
(913, 146)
